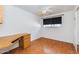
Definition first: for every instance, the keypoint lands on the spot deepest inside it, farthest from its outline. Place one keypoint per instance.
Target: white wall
(63, 33)
(78, 27)
(17, 21)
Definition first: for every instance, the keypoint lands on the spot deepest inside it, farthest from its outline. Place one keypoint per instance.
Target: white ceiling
(54, 8)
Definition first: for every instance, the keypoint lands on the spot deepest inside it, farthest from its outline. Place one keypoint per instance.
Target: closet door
(78, 31)
(76, 28)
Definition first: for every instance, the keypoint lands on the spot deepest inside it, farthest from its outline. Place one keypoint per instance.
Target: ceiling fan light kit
(45, 11)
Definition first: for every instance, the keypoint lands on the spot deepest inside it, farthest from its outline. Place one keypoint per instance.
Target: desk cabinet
(24, 41)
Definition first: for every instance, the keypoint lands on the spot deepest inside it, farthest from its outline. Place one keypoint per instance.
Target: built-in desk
(24, 40)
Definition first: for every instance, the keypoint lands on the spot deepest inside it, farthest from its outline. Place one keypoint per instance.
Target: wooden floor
(78, 49)
(46, 46)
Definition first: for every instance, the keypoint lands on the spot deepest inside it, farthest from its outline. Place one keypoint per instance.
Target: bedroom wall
(17, 21)
(63, 33)
(78, 27)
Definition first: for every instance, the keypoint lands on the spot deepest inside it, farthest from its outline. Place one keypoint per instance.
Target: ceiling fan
(45, 11)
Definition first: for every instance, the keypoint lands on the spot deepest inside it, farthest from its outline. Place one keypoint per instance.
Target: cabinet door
(25, 41)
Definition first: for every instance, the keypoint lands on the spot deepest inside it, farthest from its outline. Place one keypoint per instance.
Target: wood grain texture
(46, 46)
(25, 41)
(7, 40)
(78, 49)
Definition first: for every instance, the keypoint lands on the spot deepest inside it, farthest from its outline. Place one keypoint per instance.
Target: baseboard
(56, 40)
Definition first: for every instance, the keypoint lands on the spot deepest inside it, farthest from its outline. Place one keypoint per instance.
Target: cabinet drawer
(26, 37)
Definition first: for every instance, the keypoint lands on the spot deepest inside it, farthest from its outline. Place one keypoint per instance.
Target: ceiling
(35, 9)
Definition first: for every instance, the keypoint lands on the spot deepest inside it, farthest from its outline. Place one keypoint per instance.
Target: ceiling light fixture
(45, 11)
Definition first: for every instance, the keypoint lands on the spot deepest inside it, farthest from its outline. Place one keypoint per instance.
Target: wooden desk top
(7, 40)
